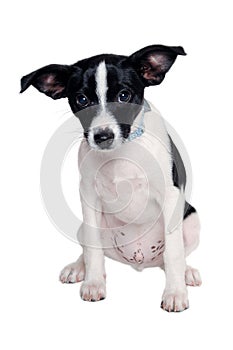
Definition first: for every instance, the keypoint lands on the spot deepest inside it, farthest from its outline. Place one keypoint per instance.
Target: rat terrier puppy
(132, 175)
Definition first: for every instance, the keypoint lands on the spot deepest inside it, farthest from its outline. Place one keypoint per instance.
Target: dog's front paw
(175, 300)
(73, 273)
(93, 290)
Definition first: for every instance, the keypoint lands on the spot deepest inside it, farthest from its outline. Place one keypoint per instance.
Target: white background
(37, 311)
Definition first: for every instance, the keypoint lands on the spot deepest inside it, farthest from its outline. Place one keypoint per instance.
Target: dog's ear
(51, 80)
(153, 62)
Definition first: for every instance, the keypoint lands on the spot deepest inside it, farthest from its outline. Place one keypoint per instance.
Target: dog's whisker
(64, 114)
(79, 135)
(67, 112)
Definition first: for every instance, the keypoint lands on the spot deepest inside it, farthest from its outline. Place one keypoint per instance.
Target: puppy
(133, 179)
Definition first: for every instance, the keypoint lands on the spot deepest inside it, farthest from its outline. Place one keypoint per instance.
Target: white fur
(107, 179)
(101, 83)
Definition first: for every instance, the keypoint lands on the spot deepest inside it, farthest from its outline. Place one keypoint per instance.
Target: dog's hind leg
(192, 277)
(74, 272)
(191, 230)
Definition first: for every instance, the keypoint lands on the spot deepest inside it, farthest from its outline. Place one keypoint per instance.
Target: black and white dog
(132, 176)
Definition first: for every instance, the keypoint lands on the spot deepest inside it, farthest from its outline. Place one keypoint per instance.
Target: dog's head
(105, 92)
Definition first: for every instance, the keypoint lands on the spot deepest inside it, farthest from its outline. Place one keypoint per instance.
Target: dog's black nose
(104, 138)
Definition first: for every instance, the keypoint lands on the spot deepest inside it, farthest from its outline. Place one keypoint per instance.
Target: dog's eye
(124, 96)
(82, 100)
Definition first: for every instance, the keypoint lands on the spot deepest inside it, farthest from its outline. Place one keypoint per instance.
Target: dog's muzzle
(104, 138)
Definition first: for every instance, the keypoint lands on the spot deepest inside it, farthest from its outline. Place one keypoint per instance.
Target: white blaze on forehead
(101, 83)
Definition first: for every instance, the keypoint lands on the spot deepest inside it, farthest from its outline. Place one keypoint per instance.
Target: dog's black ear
(51, 80)
(153, 62)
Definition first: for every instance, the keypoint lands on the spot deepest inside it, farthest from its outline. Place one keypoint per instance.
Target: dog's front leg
(175, 296)
(94, 286)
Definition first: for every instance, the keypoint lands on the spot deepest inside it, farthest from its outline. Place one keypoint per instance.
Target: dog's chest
(124, 190)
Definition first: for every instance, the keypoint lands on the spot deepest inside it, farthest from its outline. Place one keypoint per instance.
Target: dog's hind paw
(74, 272)
(192, 277)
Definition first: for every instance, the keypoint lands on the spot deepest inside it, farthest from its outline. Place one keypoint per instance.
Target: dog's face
(105, 92)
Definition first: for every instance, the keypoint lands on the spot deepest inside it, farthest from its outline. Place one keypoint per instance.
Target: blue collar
(141, 127)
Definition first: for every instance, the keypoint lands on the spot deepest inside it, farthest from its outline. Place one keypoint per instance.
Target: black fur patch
(178, 168)
(188, 210)
(179, 175)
